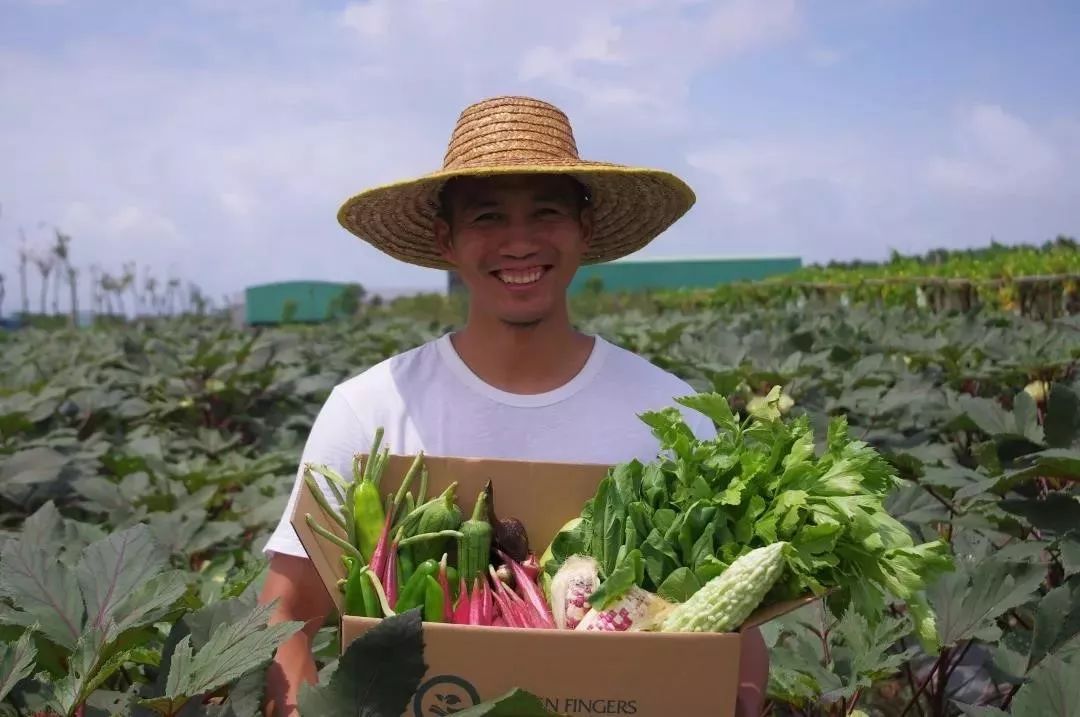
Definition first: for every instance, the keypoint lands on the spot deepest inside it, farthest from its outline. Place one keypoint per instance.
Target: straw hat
(516, 135)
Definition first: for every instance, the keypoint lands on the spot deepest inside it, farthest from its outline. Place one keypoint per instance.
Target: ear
(444, 239)
(587, 226)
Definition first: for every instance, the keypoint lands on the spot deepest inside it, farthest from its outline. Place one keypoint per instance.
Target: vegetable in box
(695, 540)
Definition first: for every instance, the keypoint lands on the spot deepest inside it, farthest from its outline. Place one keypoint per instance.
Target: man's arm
(753, 674)
(301, 596)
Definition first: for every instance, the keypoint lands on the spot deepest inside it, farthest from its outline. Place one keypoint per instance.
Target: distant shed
(292, 302)
(641, 274)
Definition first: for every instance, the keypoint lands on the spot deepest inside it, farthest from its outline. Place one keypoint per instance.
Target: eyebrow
(474, 203)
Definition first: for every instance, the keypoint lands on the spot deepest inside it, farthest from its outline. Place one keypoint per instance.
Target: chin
(523, 318)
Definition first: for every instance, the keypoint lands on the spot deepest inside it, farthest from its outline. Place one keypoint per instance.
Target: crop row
(177, 440)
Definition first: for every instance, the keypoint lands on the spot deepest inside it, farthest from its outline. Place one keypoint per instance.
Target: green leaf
(1057, 462)
(1057, 512)
(16, 662)
(73, 688)
(1070, 553)
(111, 570)
(969, 600)
(390, 656)
(230, 653)
(714, 406)
(869, 649)
(1053, 690)
(45, 589)
(630, 572)
(819, 538)
(997, 422)
(660, 558)
(679, 585)
(1057, 621)
(515, 703)
(1062, 422)
(151, 601)
(976, 711)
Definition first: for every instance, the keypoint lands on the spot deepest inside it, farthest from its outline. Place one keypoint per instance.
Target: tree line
(112, 294)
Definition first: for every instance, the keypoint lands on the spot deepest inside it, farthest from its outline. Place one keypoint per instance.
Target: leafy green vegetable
(757, 482)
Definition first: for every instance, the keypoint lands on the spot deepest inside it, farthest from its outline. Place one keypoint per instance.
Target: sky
(214, 140)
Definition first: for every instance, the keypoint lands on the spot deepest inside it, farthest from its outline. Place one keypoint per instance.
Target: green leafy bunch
(673, 524)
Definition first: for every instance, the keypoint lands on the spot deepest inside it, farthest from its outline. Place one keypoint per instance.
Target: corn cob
(638, 609)
(570, 590)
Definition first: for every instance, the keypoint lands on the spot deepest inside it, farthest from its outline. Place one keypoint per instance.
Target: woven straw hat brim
(631, 206)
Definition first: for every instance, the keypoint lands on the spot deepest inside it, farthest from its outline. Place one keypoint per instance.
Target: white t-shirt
(428, 399)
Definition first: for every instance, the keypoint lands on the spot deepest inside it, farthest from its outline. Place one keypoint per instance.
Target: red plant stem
(389, 579)
(1012, 693)
(530, 593)
(952, 668)
(907, 665)
(378, 556)
(487, 604)
(462, 611)
(854, 701)
(926, 681)
(474, 603)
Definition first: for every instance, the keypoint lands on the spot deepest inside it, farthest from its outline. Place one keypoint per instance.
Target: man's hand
(753, 674)
(293, 582)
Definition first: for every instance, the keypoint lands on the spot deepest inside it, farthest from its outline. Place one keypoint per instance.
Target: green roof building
(643, 274)
(294, 302)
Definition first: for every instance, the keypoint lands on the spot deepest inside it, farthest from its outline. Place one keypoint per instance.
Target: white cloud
(755, 173)
(997, 153)
(370, 18)
(643, 55)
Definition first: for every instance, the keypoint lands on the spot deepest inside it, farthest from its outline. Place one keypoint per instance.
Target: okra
(412, 595)
(433, 600)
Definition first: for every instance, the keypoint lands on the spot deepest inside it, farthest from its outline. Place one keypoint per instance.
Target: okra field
(142, 467)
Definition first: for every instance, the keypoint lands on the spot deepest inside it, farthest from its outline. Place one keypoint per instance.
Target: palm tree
(172, 288)
(72, 278)
(44, 264)
(108, 290)
(24, 258)
(127, 282)
(95, 290)
(63, 272)
(151, 291)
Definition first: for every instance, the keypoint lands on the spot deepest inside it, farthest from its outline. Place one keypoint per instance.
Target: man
(515, 212)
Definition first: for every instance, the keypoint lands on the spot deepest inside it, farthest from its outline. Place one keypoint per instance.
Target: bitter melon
(723, 603)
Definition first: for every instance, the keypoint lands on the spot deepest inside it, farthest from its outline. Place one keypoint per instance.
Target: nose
(519, 240)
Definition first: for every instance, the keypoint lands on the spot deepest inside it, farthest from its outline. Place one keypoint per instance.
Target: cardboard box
(576, 673)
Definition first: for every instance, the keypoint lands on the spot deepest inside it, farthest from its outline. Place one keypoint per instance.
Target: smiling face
(516, 242)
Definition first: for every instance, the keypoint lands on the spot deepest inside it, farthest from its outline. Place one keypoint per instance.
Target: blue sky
(213, 140)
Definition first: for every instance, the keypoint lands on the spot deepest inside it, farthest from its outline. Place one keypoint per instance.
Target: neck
(525, 359)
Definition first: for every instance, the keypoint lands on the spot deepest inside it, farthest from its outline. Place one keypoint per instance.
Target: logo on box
(443, 695)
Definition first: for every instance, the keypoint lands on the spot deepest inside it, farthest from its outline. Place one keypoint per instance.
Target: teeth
(520, 278)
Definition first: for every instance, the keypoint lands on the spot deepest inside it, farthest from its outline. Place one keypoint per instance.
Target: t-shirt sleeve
(336, 436)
